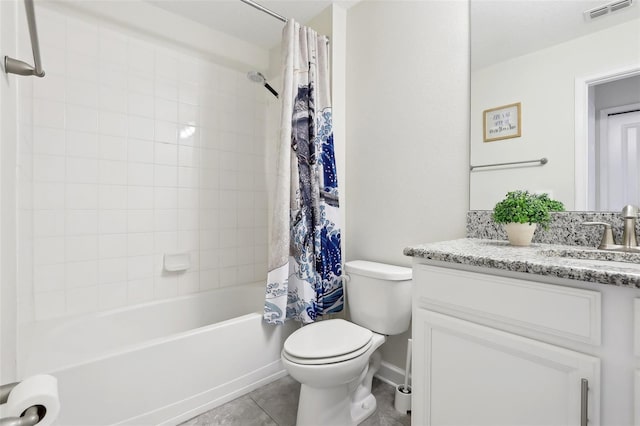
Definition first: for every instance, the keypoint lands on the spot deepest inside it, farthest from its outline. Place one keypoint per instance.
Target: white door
(468, 374)
(619, 151)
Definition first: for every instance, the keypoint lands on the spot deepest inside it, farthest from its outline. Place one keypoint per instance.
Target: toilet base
(341, 392)
(319, 407)
(363, 409)
(333, 408)
(345, 405)
(363, 402)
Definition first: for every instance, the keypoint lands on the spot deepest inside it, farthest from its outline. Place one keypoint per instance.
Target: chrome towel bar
(15, 66)
(542, 162)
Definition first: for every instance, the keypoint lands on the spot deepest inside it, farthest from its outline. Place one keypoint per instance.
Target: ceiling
(243, 21)
(501, 29)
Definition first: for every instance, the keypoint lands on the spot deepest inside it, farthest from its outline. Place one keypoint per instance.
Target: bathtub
(158, 363)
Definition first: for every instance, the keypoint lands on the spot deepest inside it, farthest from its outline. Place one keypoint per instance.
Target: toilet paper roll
(35, 390)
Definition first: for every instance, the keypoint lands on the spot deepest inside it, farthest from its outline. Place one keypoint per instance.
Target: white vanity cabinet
(476, 375)
(637, 354)
(500, 350)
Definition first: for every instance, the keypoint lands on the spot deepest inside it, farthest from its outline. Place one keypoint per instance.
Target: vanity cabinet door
(637, 397)
(468, 374)
(636, 378)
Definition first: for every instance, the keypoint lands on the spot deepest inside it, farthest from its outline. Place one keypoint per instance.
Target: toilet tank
(379, 296)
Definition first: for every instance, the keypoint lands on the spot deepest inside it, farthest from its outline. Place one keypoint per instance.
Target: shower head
(258, 77)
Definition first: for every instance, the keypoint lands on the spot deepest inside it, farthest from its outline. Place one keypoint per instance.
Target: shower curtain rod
(15, 66)
(261, 8)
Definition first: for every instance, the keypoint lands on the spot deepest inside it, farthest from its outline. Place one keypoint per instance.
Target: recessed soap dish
(176, 262)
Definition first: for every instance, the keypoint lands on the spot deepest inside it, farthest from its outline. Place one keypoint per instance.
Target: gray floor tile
(279, 400)
(239, 412)
(276, 404)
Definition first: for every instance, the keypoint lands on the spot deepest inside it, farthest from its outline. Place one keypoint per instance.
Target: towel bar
(542, 162)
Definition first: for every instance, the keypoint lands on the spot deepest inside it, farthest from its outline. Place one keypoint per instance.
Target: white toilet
(335, 360)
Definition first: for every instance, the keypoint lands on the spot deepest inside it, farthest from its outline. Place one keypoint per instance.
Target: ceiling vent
(606, 9)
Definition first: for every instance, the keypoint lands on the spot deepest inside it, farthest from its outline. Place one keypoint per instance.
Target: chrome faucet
(607, 242)
(629, 239)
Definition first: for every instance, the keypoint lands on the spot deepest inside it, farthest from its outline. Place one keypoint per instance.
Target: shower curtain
(305, 265)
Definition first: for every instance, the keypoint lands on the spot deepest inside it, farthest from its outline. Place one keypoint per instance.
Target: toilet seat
(327, 342)
(331, 360)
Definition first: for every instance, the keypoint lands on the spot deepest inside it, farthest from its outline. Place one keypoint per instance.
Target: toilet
(335, 360)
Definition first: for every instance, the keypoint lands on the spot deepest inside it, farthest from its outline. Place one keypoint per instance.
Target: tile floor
(276, 404)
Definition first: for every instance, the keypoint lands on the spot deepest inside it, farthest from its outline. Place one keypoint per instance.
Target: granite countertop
(554, 260)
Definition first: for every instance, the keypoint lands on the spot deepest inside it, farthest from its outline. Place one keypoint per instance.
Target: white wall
(153, 23)
(407, 86)
(8, 138)
(140, 148)
(544, 82)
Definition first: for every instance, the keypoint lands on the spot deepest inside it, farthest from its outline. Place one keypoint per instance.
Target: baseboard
(391, 374)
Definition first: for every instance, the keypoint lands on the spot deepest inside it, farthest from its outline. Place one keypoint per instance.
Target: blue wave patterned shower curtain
(305, 265)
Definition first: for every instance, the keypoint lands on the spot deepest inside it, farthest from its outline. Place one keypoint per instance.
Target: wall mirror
(577, 79)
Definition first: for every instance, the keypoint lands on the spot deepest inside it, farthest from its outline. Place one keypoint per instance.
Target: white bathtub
(159, 363)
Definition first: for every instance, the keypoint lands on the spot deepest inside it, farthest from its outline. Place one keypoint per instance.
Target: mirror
(554, 62)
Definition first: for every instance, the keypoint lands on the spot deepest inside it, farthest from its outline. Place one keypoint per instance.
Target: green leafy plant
(524, 207)
(552, 205)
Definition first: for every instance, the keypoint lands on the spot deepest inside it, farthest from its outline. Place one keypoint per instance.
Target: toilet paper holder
(31, 415)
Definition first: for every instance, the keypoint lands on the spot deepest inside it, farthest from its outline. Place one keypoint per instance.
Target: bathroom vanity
(538, 335)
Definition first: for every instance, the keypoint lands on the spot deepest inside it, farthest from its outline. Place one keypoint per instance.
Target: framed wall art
(503, 122)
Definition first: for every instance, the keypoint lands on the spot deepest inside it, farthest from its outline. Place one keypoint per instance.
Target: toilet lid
(327, 339)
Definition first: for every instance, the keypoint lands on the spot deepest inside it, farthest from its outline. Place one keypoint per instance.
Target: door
(618, 181)
(468, 374)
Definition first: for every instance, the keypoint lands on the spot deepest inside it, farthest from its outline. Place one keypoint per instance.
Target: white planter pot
(520, 234)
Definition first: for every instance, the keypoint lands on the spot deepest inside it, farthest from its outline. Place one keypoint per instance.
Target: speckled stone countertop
(554, 260)
(565, 228)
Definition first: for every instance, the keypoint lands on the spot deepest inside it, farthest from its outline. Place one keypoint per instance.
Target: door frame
(583, 200)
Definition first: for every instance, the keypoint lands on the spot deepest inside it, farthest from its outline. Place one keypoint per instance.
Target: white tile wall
(138, 149)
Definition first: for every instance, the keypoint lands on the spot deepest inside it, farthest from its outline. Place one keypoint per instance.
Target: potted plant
(521, 212)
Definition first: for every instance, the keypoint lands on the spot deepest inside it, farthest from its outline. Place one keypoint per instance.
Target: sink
(613, 258)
